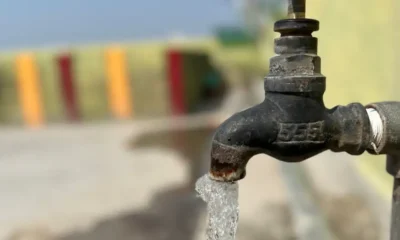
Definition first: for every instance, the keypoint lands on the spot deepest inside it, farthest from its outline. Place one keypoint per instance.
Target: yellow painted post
(118, 83)
(29, 90)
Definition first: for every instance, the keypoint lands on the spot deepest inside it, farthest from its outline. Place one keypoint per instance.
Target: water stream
(222, 206)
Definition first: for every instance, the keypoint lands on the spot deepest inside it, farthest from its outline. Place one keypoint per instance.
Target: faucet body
(292, 124)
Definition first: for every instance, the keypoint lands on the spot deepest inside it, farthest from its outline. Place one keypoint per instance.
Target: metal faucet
(292, 124)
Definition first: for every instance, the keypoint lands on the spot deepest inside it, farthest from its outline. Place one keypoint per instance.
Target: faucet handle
(297, 9)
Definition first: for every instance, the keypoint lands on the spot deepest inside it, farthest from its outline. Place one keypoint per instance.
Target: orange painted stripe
(29, 90)
(118, 85)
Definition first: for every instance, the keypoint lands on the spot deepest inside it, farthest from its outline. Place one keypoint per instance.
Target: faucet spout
(277, 127)
(236, 141)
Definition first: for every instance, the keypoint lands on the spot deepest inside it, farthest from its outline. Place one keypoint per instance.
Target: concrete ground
(72, 182)
(87, 182)
(66, 178)
(135, 180)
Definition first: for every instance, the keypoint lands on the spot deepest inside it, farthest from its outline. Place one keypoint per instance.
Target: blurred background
(107, 109)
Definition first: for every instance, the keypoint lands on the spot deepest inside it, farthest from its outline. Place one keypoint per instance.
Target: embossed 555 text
(301, 132)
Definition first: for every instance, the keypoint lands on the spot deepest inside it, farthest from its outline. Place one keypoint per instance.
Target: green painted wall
(146, 71)
(50, 86)
(10, 112)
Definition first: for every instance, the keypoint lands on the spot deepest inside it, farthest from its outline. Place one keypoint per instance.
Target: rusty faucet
(292, 124)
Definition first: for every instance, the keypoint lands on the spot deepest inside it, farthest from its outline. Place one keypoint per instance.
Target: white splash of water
(222, 206)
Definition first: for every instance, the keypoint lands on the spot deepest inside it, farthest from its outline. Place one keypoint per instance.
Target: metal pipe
(395, 219)
(297, 9)
(390, 145)
(395, 222)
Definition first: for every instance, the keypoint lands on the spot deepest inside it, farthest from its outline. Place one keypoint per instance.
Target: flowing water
(222, 206)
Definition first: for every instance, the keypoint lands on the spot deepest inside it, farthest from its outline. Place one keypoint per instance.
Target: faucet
(292, 124)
